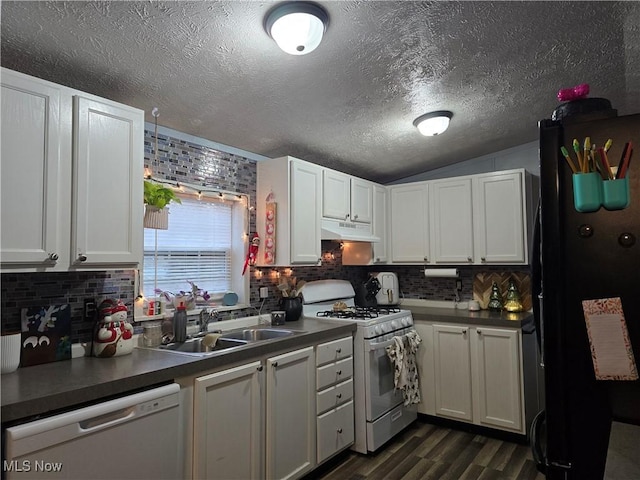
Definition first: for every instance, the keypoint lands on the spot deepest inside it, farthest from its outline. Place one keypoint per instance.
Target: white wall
(523, 156)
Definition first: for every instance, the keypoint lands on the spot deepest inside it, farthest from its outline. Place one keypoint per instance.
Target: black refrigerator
(583, 253)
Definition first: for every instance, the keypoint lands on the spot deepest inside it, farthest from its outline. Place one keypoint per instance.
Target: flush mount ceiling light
(433, 123)
(297, 27)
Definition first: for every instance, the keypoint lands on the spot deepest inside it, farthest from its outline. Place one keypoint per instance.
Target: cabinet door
(31, 146)
(426, 369)
(380, 224)
(451, 223)
(452, 371)
(336, 195)
(107, 209)
(228, 442)
(499, 378)
(305, 201)
(361, 201)
(409, 223)
(291, 414)
(499, 218)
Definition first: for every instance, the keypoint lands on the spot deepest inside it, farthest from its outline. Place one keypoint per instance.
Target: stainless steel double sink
(228, 340)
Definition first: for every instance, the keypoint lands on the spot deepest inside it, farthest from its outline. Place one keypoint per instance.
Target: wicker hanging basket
(156, 218)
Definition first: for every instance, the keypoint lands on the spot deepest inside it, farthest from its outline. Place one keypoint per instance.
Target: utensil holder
(616, 194)
(587, 191)
(10, 356)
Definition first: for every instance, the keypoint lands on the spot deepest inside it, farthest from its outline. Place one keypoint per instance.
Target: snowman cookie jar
(114, 335)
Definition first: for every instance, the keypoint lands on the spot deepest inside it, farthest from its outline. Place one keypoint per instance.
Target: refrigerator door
(585, 256)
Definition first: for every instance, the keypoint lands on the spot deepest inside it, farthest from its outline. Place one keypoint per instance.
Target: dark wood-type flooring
(424, 451)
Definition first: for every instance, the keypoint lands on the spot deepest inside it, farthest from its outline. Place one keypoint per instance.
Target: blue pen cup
(616, 194)
(587, 191)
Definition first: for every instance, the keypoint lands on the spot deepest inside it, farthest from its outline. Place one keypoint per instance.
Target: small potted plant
(156, 198)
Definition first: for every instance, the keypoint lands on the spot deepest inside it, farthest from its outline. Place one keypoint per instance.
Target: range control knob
(394, 325)
(377, 330)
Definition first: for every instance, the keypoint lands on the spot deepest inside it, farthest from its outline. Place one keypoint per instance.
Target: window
(198, 247)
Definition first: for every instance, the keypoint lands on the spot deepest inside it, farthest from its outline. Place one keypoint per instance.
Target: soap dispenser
(180, 323)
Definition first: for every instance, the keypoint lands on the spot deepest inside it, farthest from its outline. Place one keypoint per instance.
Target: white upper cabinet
(470, 220)
(409, 223)
(31, 143)
(346, 198)
(380, 224)
(107, 167)
(500, 217)
(451, 222)
(294, 186)
(72, 170)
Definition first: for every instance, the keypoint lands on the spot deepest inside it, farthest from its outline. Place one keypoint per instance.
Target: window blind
(196, 247)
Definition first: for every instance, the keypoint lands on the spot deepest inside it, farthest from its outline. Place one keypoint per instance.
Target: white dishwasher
(133, 437)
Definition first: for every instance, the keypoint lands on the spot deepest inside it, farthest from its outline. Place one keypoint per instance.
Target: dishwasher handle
(107, 420)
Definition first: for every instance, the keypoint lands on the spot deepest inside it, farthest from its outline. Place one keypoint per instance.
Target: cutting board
(46, 334)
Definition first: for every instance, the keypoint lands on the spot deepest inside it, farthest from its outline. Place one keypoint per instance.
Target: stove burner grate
(359, 312)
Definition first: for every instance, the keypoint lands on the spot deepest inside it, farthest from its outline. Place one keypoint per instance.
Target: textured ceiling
(213, 72)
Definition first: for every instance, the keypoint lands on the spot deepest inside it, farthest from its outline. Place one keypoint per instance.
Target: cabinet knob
(274, 364)
(377, 259)
(259, 368)
(346, 217)
(339, 430)
(469, 259)
(53, 257)
(82, 257)
(426, 259)
(479, 332)
(339, 372)
(464, 331)
(355, 217)
(483, 259)
(338, 350)
(339, 395)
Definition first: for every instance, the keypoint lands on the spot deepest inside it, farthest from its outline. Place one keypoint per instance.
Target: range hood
(347, 231)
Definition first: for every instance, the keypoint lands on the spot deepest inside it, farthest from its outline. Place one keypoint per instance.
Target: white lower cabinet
(229, 445)
(472, 374)
(290, 414)
(334, 382)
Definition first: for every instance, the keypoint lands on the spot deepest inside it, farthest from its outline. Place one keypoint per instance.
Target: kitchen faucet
(206, 315)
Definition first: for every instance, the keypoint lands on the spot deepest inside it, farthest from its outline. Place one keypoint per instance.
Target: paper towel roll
(441, 272)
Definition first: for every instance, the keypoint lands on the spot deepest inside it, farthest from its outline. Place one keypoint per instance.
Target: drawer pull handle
(339, 372)
(339, 430)
(339, 395)
(338, 350)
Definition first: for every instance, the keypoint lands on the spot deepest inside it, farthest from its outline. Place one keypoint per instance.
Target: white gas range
(379, 410)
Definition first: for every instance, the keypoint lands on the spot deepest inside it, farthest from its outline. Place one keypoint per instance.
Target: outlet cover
(90, 308)
(264, 292)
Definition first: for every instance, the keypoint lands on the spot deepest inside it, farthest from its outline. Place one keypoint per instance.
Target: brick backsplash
(180, 160)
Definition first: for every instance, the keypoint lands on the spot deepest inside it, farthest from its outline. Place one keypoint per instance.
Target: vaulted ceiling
(213, 72)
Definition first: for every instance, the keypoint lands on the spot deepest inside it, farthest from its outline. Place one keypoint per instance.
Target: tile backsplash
(183, 160)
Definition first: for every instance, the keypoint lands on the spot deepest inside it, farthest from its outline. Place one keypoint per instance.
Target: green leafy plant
(158, 196)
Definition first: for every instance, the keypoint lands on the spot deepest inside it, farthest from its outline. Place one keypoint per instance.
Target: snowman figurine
(115, 335)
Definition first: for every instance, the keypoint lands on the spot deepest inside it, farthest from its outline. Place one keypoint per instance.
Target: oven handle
(380, 345)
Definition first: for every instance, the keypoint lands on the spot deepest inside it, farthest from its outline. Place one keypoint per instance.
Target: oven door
(381, 395)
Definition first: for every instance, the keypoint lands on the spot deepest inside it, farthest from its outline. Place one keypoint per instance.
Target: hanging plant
(156, 195)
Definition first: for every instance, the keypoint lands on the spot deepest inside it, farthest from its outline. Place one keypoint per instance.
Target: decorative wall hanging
(270, 231)
(46, 334)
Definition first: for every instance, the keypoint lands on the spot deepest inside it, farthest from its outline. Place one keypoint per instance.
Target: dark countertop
(485, 318)
(47, 388)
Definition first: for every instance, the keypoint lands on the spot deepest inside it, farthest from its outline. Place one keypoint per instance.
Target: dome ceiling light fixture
(433, 123)
(297, 27)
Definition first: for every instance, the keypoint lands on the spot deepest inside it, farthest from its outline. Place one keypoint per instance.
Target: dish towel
(402, 353)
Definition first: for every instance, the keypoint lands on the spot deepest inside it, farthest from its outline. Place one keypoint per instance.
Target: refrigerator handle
(540, 310)
(535, 435)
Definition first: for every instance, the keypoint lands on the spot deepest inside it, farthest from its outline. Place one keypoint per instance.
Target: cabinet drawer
(334, 373)
(335, 431)
(334, 396)
(335, 350)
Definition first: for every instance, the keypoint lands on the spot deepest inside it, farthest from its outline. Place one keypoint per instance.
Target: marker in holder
(587, 191)
(615, 194)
